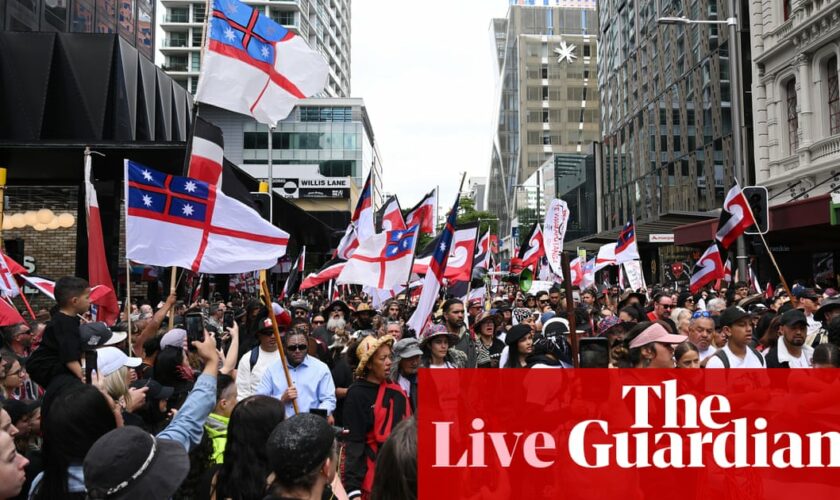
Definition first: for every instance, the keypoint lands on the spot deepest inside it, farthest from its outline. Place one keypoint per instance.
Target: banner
(750, 434)
(634, 274)
(554, 231)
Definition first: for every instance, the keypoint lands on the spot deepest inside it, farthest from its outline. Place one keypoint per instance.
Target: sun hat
(407, 348)
(656, 333)
(128, 462)
(485, 316)
(367, 347)
(436, 330)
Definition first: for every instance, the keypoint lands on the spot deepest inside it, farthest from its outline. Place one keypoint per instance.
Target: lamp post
(735, 81)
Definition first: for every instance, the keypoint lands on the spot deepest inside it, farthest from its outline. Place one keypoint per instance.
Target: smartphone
(228, 321)
(195, 329)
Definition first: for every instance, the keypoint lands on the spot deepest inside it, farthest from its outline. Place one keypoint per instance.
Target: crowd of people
(143, 410)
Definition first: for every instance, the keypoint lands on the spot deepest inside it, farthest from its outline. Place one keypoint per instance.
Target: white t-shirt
(750, 360)
(446, 364)
(708, 352)
(248, 377)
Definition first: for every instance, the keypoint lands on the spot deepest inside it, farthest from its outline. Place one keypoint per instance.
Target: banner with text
(554, 231)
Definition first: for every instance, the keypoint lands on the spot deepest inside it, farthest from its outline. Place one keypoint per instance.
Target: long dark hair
(395, 477)
(77, 418)
(167, 373)
(245, 468)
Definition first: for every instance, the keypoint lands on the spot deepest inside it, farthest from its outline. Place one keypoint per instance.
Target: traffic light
(262, 204)
(757, 198)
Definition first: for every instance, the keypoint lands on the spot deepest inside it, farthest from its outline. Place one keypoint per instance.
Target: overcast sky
(424, 70)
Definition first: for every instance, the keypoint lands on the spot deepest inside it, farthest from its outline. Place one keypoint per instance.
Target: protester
(829, 308)
(396, 468)
(254, 363)
(453, 317)
(738, 352)
(12, 465)
(373, 407)
(520, 343)
(438, 349)
(17, 339)
(826, 356)
(482, 348)
(790, 350)
(407, 355)
(649, 345)
(766, 332)
(11, 381)
(701, 332)
(216, 426)
(687, 355)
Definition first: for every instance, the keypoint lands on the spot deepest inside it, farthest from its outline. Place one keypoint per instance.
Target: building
(131, 19)
(795, 50)
(571, 177)
(322, 154)
(324, 23)
(666, 120)
(547, 96)
(477, 187)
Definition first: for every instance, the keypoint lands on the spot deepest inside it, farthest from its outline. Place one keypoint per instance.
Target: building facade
(324, 23)
(477, 187)
(547, 96)
(131, 19)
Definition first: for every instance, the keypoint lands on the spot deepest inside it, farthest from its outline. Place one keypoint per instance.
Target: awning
(800, 224)
(665, 224)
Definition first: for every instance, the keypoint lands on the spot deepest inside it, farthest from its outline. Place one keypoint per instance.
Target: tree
(468, 213)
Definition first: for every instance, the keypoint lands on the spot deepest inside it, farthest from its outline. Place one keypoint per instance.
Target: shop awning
(665, 224)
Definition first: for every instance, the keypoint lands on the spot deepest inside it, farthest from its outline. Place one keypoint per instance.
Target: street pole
(735, 92)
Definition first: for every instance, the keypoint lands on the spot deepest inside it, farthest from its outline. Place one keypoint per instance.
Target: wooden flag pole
(172, 286)
(570, 307)
(267, 299)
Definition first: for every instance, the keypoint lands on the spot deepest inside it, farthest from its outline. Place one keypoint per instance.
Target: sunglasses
(297, 347)
(689, 300)
(543, 302)
(666, 306)
(318, 322)
(701, 314)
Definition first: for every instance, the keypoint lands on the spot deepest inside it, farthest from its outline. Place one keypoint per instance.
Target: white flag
(383, 261)
(554, 231)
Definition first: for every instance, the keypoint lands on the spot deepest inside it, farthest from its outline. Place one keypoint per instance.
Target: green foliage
(468, 213)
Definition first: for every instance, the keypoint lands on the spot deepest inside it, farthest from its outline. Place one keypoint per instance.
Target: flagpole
(22, 295)
(267, 298)
(128, 301)
(172, 286)
(270, 175)
(570, 307)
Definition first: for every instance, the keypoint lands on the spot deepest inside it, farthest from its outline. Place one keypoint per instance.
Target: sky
(425, 72)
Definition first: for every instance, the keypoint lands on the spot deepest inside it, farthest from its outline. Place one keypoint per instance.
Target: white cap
(111, 359)
(174, 337)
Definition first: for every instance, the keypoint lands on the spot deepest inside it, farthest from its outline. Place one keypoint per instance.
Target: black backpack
(725, 359)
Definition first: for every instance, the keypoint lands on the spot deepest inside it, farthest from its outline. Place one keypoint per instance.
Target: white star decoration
(264, 51)
(565, 52)
(229, 34)
(442, 247)
(187, 209)
(147, 200)
(147, 175)
(190, 187)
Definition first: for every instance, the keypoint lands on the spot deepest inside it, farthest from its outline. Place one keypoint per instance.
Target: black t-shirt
(342, 376)
(61, 344)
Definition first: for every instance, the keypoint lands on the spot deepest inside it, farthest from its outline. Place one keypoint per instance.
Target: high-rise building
(131, 19)
(547, 96)
(477, 187)
(666, 117)
(324, 23)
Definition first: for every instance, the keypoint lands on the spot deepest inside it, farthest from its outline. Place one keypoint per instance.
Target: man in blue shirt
(312, 383)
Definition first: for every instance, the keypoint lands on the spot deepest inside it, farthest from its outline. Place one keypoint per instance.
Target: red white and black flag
(735, 218)
(423, 214)
(389, 217)
(207, 152)
(534, 249)
(709, 267)
(295, 276)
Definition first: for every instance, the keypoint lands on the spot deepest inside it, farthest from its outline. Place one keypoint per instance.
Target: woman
(10, 377)
(437, 346)
(172, 369)
(520, 342)
(687, 355)
(485, 327)
(766, 332)
(826, 356)
(374, 406)
(12, 466)
(242, 475)
(649, 345)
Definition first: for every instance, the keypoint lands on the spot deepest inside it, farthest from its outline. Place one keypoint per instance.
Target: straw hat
(367, 347)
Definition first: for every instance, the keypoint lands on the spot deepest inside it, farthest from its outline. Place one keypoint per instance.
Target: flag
(605, 257)
(576, 270)
(494, 244)
(8, 285)
(254, 66)
(735, 218)
(423, 214)
(184, 222)
(434, 277)
(328, 271)
(708, 268)
(768, 291)
(626, 248)
(533, 250)
(13, 266)
(47, 287)
(382, 261)
(389, 216)
(588, 270)
(207, 155)
(482, 252)
(295, 275)
(108, 309)
(727, 271)
(461, 254)
(361, 222)
(9, 315)
(555, 224)
(197, 290)
(753, 280)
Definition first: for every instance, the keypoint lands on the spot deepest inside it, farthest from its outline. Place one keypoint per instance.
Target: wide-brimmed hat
(128, 462)
(436, 330)
(341, 305)
(827, 305)
(364, 307)
(486, 316)
(628, 294)
(367, 347)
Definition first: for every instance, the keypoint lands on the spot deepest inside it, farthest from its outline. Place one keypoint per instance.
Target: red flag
(735, 218)
(98, 273)
(328, 271)
(459, 266)
(534, 248)
(207, 154)
(424, 214)
(708, 268)
(14, 267)
(390, 217)
(769, 292)
(9, 315)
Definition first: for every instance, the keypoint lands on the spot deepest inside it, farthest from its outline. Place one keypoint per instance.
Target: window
(196, 37)
(544, 72)
(833, 97)
(284, 17)
(177, 39)
(586, 50)
(325, 114)
(792, 118)
(786, 9)
(545, 93)
(198, 13)
(178, 15)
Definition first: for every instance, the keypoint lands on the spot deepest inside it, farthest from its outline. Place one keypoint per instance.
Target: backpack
(255, 354)
(725, 360)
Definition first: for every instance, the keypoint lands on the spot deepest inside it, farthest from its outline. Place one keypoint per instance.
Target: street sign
(757, 198)
(661, 238)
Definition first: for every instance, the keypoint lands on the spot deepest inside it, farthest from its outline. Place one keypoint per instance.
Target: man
(392, 310)
(554, 297)
(662, 305)
(300, 309)
(363, 318)
(588, 298)
(542, 302)
(790, 350)
(736, 325)
(394, 329)
(312, 384)
(338, 309)
(474, 309)
(701, 333)
(742, 290)
(254, 363)
(216, 425)
(716, 306)
(17, 339)
(809, 302)
(302, 454)
(404, 369)
(829, 309)
(216, 318)
(453, 317)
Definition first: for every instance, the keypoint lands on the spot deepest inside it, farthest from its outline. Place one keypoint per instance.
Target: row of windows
(832, 103)
(301, 140)
(559, 94)
(326, 114)
(573, 116)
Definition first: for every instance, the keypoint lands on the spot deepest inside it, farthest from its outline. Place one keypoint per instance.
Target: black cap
(97, 334)
(732, 315)
(299, 445)
(156, 390)
(17, 409)
(808, 293)
(793, 317)
(516, 333)
(555, 328)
